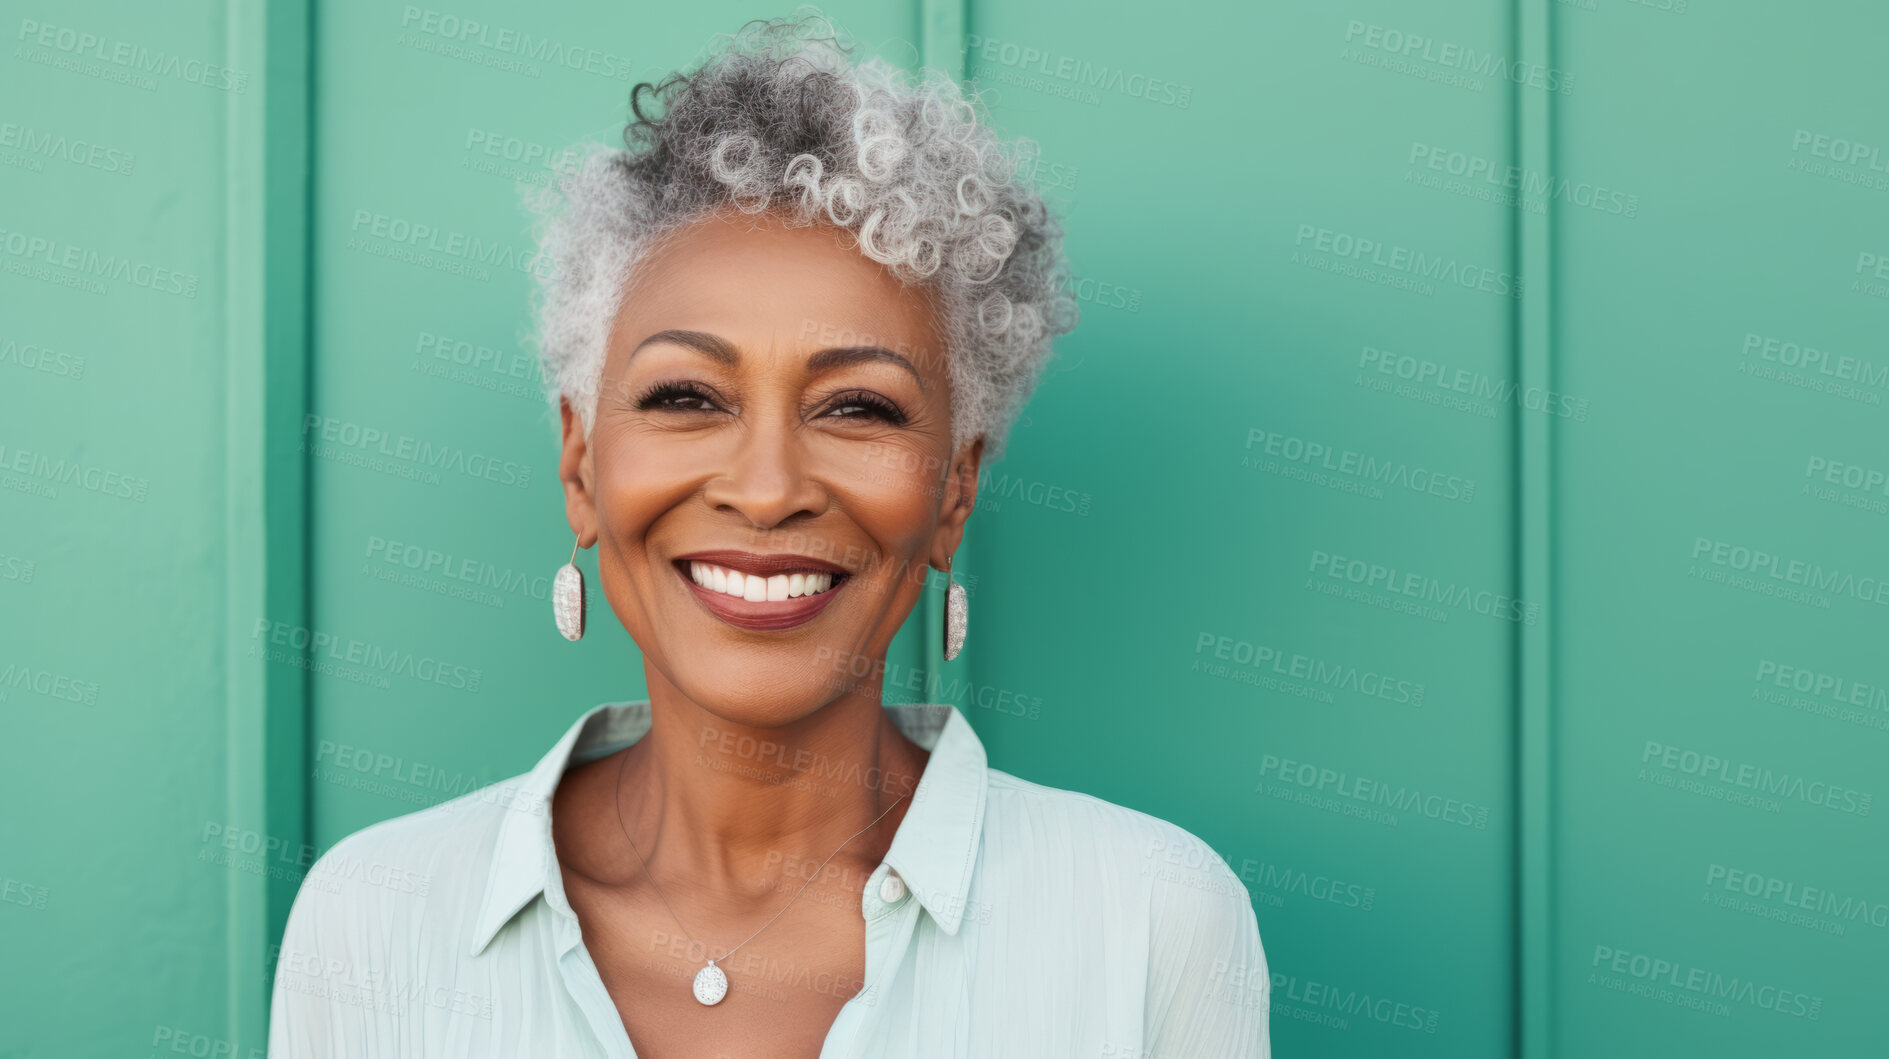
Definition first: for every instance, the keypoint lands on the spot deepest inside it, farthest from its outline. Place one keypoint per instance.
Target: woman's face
(768, 477)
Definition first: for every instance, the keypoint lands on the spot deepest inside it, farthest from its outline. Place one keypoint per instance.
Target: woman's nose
(768, 479)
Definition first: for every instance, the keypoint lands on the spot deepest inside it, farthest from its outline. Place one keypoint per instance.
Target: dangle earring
(567, 598)
(957, 615)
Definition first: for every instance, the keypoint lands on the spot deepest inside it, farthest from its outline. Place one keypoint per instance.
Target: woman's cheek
(639, 478)
(899, 515)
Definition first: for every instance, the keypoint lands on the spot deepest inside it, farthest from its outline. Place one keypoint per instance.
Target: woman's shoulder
(1112, 836)
(384, 919)
(438, 836)
(437, 858)
(1206, 977)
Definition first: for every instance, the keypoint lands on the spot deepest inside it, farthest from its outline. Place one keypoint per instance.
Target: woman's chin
(739, 702)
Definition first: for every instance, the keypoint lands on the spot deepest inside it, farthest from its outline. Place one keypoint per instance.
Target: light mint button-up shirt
(1007, 919)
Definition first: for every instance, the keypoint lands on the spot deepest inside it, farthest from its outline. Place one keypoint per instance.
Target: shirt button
(891, 888)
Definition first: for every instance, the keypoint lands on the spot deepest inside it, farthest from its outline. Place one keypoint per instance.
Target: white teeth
(756, 587)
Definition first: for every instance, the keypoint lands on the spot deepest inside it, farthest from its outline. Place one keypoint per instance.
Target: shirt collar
(934, 849)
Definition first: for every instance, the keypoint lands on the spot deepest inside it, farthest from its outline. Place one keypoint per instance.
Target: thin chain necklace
(711, 984)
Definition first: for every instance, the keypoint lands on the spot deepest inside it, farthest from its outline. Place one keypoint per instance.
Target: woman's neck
(740, 806)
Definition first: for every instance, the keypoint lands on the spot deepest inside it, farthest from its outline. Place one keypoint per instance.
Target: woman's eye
(677, 397)
(866, 406)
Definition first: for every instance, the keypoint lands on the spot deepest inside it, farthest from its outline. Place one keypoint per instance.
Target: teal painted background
(1461, 505)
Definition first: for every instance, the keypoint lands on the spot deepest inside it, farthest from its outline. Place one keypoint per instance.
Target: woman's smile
(763, 592)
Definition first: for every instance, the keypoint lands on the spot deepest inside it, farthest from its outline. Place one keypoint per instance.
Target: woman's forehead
(769, 288)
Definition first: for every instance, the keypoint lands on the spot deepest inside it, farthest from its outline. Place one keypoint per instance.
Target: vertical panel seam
(246, 679)
(265, 220)
(941, 26)
(1534, 512)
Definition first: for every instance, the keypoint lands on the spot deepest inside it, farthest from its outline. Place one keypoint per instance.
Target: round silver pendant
(710, 984)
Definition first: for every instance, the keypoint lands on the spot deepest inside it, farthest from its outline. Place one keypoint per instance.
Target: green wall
(1461, 504)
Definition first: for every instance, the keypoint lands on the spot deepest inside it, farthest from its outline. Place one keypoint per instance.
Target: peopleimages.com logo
(1077, 72)
(1712, 768)
(512, 43)
(1416, 47)
(1402, 261)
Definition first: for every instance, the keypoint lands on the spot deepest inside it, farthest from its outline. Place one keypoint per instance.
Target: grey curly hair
(781, 120)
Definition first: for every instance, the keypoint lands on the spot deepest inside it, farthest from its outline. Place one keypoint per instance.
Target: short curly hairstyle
(782, 120)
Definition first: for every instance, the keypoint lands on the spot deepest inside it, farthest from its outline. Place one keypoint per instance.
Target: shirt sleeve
(1209, 990)
(307, 1016)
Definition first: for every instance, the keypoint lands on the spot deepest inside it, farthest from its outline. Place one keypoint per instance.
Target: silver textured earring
(567, 598)
(957, 615)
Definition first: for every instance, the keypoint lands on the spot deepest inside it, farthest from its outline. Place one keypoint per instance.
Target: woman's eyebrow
(720, 349)
(827, 359)
(700, 341)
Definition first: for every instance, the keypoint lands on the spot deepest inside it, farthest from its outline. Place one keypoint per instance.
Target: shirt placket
(582, 980)
(891, 914)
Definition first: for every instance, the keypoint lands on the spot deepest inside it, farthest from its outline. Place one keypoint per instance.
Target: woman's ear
(574, 469)
(960, 499)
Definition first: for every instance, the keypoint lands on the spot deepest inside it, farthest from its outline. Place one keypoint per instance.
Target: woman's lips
(787, 598)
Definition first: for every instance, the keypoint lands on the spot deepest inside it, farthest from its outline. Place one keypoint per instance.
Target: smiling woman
(786, 328)
(725, 438)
